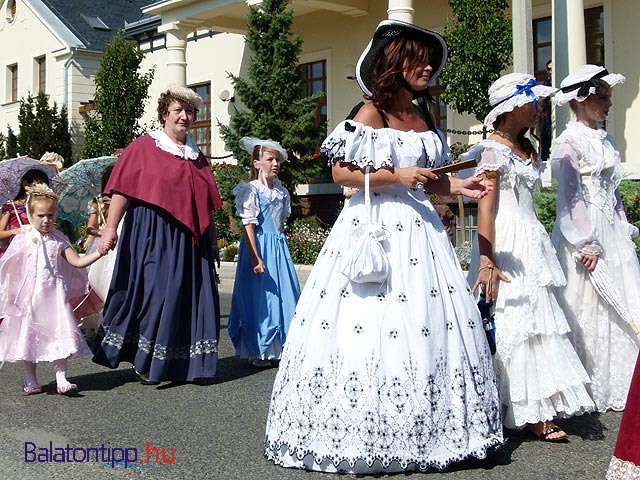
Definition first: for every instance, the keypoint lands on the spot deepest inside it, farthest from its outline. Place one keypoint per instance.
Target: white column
(176, 54)
(401, 10)
(569, 47)
(522, 26)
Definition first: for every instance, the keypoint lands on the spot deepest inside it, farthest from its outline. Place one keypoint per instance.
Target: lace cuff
(592, 248)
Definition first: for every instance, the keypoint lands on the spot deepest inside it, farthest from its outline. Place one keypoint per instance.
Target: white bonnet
(584, 82)
(514, 90)
(250, 143)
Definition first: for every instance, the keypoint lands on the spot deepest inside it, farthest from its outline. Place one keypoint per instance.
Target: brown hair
(523, 140)
(402, 54)
(164, 101)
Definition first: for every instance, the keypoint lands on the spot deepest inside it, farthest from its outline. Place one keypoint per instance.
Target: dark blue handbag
(488, 322)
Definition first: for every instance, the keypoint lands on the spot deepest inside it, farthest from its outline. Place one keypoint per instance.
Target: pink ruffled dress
(38, 283)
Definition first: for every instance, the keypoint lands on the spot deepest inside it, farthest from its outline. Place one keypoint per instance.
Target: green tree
(3, 148)
(479, 39)
(12, 144)
(275, 105)
(42, 128)
(120, 97)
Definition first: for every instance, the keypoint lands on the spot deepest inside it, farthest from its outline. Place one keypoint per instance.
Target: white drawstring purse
(367, 261)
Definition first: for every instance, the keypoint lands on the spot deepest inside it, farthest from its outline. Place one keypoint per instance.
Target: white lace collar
(277, 191)
(163, 142)
(598, 133)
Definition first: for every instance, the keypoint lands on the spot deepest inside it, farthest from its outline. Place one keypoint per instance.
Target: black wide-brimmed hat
(386, 31)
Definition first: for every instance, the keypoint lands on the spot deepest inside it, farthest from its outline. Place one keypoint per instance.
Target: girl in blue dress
(266, 287)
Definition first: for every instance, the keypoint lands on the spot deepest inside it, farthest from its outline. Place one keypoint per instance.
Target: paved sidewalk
(217, 431)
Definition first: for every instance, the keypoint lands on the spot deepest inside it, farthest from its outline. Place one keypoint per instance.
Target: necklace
(506, 137)
(517, 149)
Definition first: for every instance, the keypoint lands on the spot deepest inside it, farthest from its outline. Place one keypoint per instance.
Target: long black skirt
(162, 312)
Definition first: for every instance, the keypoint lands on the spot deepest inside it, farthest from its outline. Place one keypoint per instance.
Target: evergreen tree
(479, 40)
(12, 144)
(120, 97)
(42, 129)
(276, 106)
(3, 148)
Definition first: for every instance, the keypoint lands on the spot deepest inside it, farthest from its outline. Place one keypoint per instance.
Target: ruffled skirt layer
(539, 374)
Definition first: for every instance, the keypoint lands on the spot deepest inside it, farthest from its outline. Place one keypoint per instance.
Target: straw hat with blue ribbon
(512, 91)
(585, 81)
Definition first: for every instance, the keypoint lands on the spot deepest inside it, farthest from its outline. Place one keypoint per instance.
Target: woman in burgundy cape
(162, 311)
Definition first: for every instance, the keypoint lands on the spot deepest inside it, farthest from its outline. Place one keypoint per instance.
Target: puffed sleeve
(572, 216)
(247, 203)
(358, 144)
(488, 159)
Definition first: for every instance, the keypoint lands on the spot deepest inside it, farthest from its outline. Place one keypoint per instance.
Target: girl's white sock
(30, 373)
(60, 367)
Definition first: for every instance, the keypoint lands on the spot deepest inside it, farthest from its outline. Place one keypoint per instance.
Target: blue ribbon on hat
(527, 90)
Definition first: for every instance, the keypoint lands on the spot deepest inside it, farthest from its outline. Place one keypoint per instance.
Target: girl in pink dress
(9, 222)
(38, 284)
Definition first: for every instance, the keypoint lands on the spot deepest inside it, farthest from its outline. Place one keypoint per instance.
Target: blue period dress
(393, 376)
(262, 305)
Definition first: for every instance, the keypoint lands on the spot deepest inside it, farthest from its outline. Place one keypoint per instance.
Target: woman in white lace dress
(593, 239)
(396, 374)
(540, 377)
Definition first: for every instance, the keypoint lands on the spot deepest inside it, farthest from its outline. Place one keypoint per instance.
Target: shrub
(227, 177)
(306, 236)
(463, 251)
(545, 204)
(229, 252)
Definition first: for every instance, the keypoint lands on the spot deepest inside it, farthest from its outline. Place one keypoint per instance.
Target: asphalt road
(216, 431)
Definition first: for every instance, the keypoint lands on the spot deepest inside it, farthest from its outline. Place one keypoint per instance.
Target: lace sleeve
(572, 216)
(247, 203)
(489, 158)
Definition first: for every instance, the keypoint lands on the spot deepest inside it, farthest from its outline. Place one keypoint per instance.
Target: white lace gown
(590, 214)
(391, 377)
(540, 376)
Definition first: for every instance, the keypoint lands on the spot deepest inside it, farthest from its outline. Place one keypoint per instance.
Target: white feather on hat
(584, 82)
(512, 91)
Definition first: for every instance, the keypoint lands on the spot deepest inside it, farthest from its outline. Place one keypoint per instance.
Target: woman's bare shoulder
(369, 115)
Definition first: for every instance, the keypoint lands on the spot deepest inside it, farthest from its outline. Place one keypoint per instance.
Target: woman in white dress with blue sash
(394, 373)
(540, 376)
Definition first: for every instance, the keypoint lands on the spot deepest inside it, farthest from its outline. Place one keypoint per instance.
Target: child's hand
(259, 268)
(108, 240)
